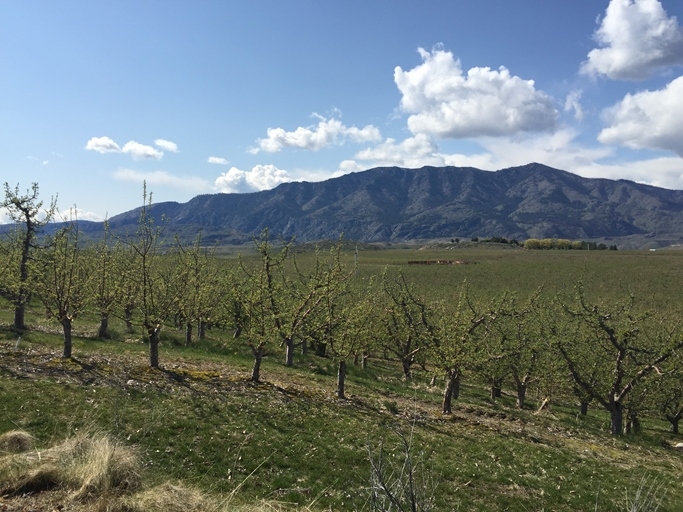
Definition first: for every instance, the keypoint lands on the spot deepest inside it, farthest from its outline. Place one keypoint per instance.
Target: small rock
(678, 446)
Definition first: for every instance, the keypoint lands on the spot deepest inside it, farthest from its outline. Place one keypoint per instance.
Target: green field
(289, 442)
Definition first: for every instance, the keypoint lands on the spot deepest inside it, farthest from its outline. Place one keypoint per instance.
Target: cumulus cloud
(163, 178)
(648, 119)
(73, 214)
(217, 160)
(573, 103)
(261, 177)
(141, 152)
(103, 145)
(666, 172)
(166, 145)
(448, 104)
(134, 149)
(325, 133)
(413, 152)
(636, 38)
(558, 149)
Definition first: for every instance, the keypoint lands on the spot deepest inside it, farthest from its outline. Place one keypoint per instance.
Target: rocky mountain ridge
(395, 204)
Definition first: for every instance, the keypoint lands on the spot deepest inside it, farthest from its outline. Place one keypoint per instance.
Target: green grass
(201, 421)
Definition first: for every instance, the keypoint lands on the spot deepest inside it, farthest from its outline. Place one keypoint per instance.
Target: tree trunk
(304, 347)
(341, 379)
(321, 349)
(66, 326)
(451, 392)
(289, 352)
(256, 369)
(674, 422)
(19, 314)
(128, 318)
(632, 423)
(201, 330)
(355, 359)
(103, 331)
(617, 418)
(153, 347)
(364, 361)
(521, 386)
(188, 334)
(583, 408)
(495, 388)
(406, 368)
(521, 394)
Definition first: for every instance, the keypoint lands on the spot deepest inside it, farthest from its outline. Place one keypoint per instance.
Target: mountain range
(392, 204)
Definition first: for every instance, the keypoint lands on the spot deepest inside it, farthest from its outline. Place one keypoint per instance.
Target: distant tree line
(535, 244)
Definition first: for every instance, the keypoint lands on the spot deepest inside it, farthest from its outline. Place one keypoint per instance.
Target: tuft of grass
(16, 441)
(90, 465)
(167, 497)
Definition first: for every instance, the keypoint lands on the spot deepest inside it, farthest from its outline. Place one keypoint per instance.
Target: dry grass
(16, 441)
(88, 465)
(93, 472)
(166, 497)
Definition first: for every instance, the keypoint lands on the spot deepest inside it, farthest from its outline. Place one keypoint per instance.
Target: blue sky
(239, 96)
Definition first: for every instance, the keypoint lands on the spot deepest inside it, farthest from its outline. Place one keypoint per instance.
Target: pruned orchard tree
(293, 301)
(249, 311)
(342, 319)
(107, 262)
(513, 342)
(29, 217)
(203, 292)
(156, 279)
(407, 328)
(64, 280)
(627, 346)
(668, 392)
(457, 328)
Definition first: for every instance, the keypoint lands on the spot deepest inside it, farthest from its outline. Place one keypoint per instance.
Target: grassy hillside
(289, 442)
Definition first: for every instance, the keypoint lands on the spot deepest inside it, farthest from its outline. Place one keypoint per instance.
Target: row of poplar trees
(616, 354)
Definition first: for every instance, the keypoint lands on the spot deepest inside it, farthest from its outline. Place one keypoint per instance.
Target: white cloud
(325, 133)
(217, 160)
(164, 178)
(261, 177)
(637, 38)
(648, 119)
(134, 149)
(166, 145)
(446, 104)
(42, 162)
(141, 152)
(664, 172)
(74, 214)
(4, 217)
(412, 152)
(103, 145)
(573, 102)
(558, 150)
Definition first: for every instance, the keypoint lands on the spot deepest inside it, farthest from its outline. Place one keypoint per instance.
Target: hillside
(396, 204)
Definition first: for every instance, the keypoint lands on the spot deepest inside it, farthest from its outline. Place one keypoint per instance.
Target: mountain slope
(392, 204)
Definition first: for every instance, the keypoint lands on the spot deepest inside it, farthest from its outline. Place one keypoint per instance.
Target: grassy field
(288, 442)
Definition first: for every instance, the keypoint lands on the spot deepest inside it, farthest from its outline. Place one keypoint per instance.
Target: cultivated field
(201, 423)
